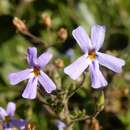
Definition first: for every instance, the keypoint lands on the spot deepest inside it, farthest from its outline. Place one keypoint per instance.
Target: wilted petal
(97, 36)
(19, 123)
(46, 82)
(44, 59)
(3, 113)
(32, 56)
(17, 77)
(97, 77)
(11, 107)
(31, 89)
(77, 67)
(111, 62)
(82, 38)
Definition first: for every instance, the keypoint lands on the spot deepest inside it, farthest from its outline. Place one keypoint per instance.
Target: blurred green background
(67, 15)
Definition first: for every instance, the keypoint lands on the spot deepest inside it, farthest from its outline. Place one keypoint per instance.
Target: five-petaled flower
(7, 118)
(34, 73)
(92, 57)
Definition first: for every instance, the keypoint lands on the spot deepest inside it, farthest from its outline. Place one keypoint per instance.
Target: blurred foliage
(68, 14)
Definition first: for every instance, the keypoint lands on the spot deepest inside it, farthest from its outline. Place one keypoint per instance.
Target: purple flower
(92, 57)
(7, 118)
(60, 125)
(34, 73)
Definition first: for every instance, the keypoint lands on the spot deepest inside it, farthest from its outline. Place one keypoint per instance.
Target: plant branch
(77, 88)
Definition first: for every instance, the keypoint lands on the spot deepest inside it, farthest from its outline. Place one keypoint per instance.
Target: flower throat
(36, 71)
(92, 54)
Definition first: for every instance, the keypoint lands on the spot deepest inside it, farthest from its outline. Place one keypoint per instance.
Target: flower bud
(30, 126)
(62, 33)
(95, 124)
(47, 21)
(59, 63)
(101, 101)
(20, 25)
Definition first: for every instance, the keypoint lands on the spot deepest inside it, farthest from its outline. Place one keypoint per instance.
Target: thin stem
(98, 112)
(41, 99)
(77, 88)
(87, 117)
(34, 39)
(46, 105)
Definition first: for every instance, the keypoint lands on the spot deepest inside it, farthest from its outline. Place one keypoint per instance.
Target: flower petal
(32, 56)
(19, 123)
(111, 62)
(44, 59)
(82, 38)
(7, 126)
(11, 107)
(17, 77)
(97, 36)
(3, 113)
(77, 68)
(61, 125)
(46, 82)
(97, 77)
(31, 89)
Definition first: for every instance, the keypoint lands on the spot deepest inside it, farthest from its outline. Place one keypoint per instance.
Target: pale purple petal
(97, 77)
(61, 125)
(8, 129)
(111, 62)
(46, 82)
(11, 107)
(7, 126)
(17, 77)
(3, 113)
(97, 36)
(31, 89)
(19, 123)
(82, 38)
(44, 59)
(32, 56)
(77, 67)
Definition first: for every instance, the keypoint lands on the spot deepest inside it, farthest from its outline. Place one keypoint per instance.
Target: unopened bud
(95, 124)
(30, 126)
(63, 34)
(1, 126)
(20, 25)
(101, 101)
(47, 21)
(59, 63)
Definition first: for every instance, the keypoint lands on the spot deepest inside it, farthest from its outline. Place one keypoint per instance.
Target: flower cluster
(92, 58)
(36, 76)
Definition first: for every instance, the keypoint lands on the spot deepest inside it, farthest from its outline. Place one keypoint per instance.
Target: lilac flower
(34, 73)
(60, 125)
(92, 57)
(7, 118)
